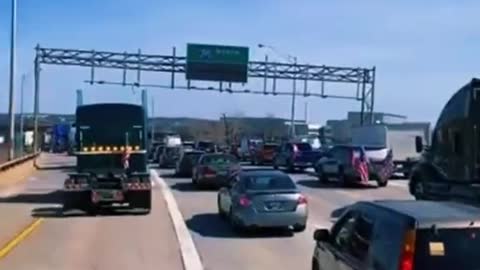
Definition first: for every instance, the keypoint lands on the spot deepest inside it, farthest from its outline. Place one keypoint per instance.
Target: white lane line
(402, 184)
(190, 257)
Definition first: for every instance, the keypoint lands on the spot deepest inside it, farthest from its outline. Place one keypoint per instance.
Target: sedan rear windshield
(448, 249)
(270, 146)
(268, 182)
(219, 159)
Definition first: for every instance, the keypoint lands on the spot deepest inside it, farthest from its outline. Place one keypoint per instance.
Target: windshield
(448, 249)
(206, 144)
(102, 136)
(219, 159)
(193, 157)
(268, 182)
(172, 151)
(270, 147)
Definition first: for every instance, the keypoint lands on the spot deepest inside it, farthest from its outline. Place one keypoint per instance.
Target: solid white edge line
(190, 257)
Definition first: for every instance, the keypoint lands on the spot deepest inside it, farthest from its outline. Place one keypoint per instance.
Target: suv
(405, 235)
(339, 162)
(295, 155)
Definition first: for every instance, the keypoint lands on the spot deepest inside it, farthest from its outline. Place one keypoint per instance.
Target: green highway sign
(217, 63)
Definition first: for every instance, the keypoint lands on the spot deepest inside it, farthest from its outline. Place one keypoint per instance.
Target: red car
(264, 153)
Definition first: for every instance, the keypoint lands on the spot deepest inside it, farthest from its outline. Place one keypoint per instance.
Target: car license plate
(330, 168)
(106, 195)
(223, 173)
(274, 206)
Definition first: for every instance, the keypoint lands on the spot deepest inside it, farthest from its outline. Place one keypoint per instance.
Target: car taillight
(302, 200)
(208, 170)
(408, 251)
(245, 201)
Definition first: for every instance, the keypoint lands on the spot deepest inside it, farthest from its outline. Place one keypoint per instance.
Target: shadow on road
(312, 183)
(335, 214)
(54, 197)
(189, 187)
(57, 212)
(211, 225)
(63, 168)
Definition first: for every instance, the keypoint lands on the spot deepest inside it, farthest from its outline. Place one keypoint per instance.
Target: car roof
(429, 213)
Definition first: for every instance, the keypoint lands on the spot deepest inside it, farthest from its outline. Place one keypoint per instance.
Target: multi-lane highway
(124, 241)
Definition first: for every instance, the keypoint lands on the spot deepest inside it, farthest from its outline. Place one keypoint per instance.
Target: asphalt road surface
(220, 248)
(78, 242)
(129, 241)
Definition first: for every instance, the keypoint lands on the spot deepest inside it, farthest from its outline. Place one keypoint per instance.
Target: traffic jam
(255, 190)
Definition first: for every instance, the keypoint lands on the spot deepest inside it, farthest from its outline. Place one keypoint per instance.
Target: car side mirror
(418, 144)
(321, 235)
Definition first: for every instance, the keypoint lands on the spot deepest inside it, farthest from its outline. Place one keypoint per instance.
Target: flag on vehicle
(126, 158)
(360, 164)
(387, 168)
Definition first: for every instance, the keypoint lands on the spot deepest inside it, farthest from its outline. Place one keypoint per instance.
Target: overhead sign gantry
(229, 65)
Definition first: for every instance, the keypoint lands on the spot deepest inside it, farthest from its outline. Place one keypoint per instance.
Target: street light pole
(11, 105)
(22, 134)
(289, 58)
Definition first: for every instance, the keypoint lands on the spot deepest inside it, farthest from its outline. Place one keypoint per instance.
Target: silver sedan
(263, 198)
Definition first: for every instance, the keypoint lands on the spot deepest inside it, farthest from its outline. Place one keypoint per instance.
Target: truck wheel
(145, 201)
(92, 210)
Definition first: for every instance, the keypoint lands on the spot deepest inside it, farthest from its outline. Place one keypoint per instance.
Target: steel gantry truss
(363, 78)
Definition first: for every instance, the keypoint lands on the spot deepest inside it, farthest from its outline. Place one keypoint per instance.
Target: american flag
(387, 168)
(360, 164)
(126, 158)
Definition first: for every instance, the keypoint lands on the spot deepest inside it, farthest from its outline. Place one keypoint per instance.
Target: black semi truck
(450, 167)
(111, 159)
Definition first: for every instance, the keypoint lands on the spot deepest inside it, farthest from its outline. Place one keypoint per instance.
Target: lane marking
(403, 184)
(20, 237)
(190, 257)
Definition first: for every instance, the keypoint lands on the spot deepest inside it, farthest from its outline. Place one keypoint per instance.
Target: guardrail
(12, 163)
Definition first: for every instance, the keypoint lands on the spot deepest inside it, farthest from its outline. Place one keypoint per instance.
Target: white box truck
(400, 138)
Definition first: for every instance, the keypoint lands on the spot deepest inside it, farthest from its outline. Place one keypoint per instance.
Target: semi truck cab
(449, 168)
(111, 159)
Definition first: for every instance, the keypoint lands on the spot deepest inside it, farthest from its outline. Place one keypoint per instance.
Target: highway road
(126, 241)
(77, 242)
(220, 248)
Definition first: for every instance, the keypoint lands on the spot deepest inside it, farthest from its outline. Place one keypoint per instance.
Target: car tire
(382, 183)
(322, 178)
(220, 211)
(275, 164)
(299, 228)
(235, 225)
(291, 168)
(417, 189)
(315, 264)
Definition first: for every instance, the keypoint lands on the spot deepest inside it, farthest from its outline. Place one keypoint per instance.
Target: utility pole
(306, 112)
(227, 129)
(153, 121)
(22, 133)
(292, 120)
(11, 105)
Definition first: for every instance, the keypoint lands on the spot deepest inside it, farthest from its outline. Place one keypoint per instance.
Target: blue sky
(423, 51)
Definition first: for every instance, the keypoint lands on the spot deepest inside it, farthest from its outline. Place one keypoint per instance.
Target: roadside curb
(190, 257)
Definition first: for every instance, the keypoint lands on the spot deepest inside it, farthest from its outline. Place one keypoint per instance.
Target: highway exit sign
(217, 63)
